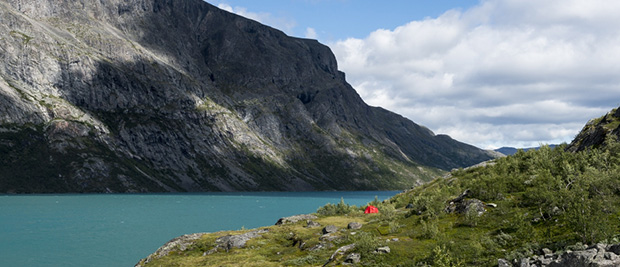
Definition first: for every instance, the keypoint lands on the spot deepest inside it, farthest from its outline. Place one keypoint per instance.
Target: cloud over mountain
(501, 73)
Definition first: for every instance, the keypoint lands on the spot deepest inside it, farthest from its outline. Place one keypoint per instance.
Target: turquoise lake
(120, 229)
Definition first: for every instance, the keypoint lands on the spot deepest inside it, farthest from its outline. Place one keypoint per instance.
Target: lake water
(120, 229)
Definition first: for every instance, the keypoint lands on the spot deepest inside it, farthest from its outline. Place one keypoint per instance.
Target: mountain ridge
(142, 96)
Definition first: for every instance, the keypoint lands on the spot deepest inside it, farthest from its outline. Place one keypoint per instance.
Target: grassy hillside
(546, 198)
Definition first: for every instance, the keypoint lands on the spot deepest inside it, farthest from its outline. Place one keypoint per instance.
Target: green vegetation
(546, 198)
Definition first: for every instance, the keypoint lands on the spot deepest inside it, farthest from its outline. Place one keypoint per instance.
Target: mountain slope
(130, 96)
(597, 131)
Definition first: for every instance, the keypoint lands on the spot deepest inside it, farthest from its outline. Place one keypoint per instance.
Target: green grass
(536, 192)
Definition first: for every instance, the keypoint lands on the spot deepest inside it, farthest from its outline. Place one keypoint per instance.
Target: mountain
(160, 95)
(511, 150)
(597, 131)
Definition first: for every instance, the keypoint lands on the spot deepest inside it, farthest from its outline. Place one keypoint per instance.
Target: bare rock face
(152, 95)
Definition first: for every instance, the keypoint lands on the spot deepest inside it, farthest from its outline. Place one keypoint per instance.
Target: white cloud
(311, 33)
(506, 72)
(284, 24)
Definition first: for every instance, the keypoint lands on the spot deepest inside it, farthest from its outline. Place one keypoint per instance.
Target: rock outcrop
(597, 131)
(598, 255)
(296, 218)
(180, 243)
(155, 95)
(223, 243)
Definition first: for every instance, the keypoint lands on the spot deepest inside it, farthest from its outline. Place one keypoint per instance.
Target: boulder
(329, 238)
(503, 263)
(237, 241)
(462, 196)
(466, 205)
(312, 224)
(354, 226)
(462, 205)
(598, 255)
(409, 206)
(353, 258)
(383, 250)
(330, 229)
(340, 251)
(615, 248)
(295, 218)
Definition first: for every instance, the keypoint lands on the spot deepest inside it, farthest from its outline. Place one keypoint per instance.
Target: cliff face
(162, 95)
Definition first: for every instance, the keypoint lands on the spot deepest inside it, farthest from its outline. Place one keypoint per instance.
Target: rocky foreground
(598, 255)
(328, 238)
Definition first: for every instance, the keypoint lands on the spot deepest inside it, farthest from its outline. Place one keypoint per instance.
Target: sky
(490, 73)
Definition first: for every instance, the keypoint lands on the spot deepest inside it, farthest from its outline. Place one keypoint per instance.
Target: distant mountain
(145, 96)
(511, 150)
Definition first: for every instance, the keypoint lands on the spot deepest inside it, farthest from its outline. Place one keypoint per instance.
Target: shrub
(441, 257)
(430, 229)
(337, 209)
(310, 259)
(387, 212)
(365, 243)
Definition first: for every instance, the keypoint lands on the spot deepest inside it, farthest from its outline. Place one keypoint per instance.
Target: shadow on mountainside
(197, 99)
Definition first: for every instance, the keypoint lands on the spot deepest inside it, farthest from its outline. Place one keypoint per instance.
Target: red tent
(371, 209)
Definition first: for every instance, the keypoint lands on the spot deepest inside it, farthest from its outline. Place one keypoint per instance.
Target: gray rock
(295, 218)
(354, 226)
(466, 205)
(525, 262)
(318, 246)
(329, 238)
(503, 263)
(353, 258)
(611, 256)
(383, 250)
(237, 241)
(340, 251)
(462, 196)
(575, 258)
(180, 243)
(409, 206)
(312, 224)
(615, 248)
(596, 255)
(330, 229)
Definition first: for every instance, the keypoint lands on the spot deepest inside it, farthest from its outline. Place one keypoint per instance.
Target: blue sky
(340, 19)
(490, 73)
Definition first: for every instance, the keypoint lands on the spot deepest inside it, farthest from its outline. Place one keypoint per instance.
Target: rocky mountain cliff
(162, 95)
(597, 131)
